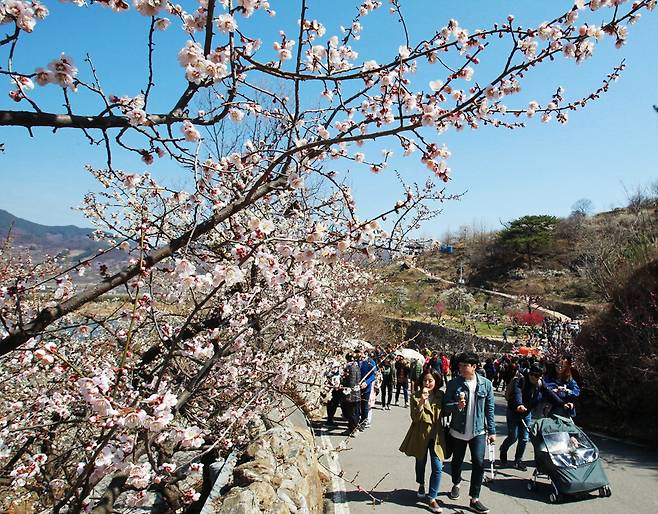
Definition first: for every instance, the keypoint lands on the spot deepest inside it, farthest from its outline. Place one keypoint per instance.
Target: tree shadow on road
(403, 498)
(619, 456)
(518, 488)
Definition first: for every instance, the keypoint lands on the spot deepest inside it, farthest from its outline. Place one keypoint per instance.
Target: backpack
(509, 389)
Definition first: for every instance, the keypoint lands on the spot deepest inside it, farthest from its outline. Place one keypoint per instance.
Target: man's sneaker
(397, 403)
(503, 459)
(454, 492)
(479, 507)
(520, 466)
(406, 404)
(421, 492)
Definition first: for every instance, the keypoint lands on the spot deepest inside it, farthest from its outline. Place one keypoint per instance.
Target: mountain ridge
(41, 240)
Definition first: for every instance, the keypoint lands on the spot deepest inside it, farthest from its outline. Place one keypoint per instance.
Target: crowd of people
(552, 332)
(451, 403)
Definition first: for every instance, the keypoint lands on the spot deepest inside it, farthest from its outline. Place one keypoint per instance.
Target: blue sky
(607, 147)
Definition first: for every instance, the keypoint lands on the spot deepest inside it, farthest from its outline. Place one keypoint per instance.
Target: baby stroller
(569, 459)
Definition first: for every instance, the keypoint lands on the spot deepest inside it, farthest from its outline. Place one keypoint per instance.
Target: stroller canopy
(567, 455)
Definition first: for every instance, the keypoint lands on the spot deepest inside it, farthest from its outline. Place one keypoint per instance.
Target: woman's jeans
(437, 468)
(476, 445)
(516, 431)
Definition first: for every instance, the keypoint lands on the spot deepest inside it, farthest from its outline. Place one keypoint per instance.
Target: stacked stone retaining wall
(441, 338)
(278, 472)
(280, 476)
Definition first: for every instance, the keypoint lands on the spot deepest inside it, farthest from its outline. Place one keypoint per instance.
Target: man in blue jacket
(469, 398)
(527, 392)
(368, 369)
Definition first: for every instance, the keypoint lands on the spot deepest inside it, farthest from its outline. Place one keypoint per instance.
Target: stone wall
(280, 476)
(441, 338)
(573, 309)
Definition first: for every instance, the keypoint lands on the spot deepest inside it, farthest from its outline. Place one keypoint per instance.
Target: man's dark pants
(387, 391)
(351, 411)
(477, 446)
(334, 402)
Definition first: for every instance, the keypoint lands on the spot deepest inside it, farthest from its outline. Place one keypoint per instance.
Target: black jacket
(528, 395)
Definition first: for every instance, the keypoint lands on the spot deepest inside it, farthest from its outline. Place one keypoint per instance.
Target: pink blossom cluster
(23, 14)
(198, 68)
(60, 71)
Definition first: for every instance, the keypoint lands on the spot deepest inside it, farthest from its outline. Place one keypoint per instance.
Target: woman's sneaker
(421, 492)
(434, 507)
(479, 507)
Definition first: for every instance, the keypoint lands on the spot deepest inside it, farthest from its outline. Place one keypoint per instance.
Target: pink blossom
(63, 71)
(44, 356)
(162, 23)
(436, 85)
(137, 117)
(236, 115)
(190, 133)
(149, 7)
(190, 496)
(168, 467)
(139, 475)
(226, 23)
(44, 77)
(370, 65)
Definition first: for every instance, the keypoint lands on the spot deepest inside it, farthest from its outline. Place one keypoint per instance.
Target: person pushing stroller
(527, 391)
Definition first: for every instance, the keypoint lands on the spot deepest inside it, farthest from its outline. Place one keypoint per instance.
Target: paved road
(372, 459)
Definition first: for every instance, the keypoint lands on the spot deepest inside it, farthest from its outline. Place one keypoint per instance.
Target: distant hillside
(71, 241)
(587, 258)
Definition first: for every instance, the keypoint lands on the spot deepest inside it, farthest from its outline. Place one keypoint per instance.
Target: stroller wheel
(531, 485)
(554, 498)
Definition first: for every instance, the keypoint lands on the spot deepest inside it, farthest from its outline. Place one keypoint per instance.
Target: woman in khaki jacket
(426, 434)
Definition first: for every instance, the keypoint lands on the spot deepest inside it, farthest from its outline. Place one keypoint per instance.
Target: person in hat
(469, 398)
(528, 391)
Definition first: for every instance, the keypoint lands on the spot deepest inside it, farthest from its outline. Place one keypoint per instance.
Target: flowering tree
(238, 286)
(530, 319)
(439, 308)
(458, 299)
